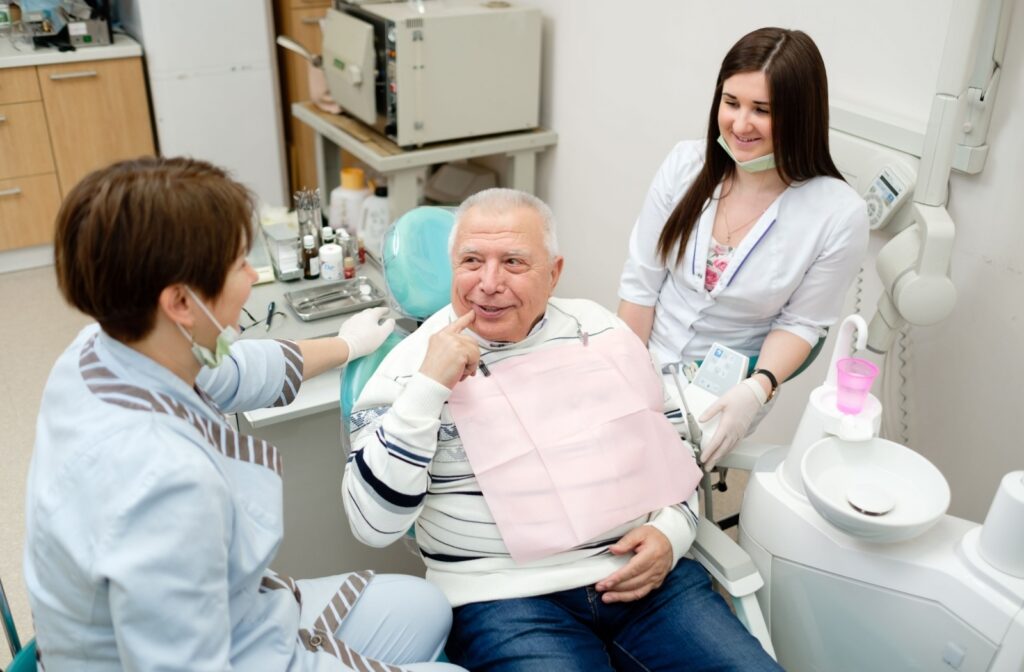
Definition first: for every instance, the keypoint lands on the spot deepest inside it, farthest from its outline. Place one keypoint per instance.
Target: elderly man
(433, 427)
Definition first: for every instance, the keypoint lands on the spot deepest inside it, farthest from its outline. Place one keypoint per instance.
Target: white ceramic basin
(874, 490)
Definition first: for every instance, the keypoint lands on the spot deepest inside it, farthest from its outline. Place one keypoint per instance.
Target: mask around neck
(758, 165)
(227, 336)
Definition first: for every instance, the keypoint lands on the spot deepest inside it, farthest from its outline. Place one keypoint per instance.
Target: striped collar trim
(102, 382)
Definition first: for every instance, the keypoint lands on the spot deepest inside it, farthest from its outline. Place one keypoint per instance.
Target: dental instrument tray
(335, 298)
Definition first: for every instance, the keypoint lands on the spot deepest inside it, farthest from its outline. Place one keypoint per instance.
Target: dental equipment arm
(914, 269)
(692, 426)
(914, 265)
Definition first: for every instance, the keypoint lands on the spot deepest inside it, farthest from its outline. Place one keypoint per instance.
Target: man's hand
(452, 355)
(647, 569)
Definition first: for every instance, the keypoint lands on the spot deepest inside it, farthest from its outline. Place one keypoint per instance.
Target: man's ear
(175, 303)
(556, 271)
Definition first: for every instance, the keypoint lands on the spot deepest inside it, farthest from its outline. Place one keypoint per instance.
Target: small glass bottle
(350, 268)
(362, 251)
(310, 258)
(326, 236)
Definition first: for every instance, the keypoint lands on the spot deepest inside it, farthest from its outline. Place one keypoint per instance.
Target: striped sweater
(408, 466)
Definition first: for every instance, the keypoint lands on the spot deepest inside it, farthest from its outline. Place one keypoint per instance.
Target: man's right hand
(451, 354)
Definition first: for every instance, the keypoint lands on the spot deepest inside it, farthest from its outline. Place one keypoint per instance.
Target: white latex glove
(364, 332)
(738, 406)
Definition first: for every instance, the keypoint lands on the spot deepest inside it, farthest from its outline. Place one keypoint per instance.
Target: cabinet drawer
(28, 208)
(18, 85)
(97, 113)
(24, 142)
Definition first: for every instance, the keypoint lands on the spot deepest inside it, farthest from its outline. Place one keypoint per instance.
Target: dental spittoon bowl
(875, 490)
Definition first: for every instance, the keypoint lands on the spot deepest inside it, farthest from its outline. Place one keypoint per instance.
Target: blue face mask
(227, 336)
(760, 164)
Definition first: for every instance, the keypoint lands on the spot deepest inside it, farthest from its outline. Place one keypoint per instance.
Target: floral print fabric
(718, 260)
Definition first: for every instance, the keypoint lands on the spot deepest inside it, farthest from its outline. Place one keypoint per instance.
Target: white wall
(624, 81)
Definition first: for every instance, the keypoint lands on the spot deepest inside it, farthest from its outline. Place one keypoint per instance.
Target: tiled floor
(35, 327)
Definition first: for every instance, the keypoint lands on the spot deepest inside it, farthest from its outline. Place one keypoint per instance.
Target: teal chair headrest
(418, 275)
(417, 269)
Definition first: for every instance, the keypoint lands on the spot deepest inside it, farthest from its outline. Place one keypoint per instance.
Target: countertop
(17, 55)
(316, 394)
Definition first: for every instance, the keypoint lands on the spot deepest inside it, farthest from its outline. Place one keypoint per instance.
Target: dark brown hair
(798, 89)
(127, 231)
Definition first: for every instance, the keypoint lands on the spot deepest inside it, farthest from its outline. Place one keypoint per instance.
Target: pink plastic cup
(853, 383)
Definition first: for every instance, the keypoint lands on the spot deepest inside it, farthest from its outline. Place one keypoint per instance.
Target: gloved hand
(364, 332)
(738, 406)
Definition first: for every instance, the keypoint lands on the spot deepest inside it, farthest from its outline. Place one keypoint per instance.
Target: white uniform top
(790, 272)
(151, 523)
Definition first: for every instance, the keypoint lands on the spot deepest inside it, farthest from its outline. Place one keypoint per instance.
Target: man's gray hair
(499, 201)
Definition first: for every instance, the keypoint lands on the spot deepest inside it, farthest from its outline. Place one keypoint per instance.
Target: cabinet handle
(10, 192)
(310, 20)
(73, 75)
(3, 118)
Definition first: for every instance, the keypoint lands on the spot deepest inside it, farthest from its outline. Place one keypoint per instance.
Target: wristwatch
(771, 379)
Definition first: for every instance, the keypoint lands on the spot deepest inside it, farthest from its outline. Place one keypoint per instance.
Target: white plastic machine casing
(841, 603)
(456, 69)
(833, 602)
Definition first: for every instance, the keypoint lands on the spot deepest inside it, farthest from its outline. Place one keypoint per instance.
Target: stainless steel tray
(335, 298)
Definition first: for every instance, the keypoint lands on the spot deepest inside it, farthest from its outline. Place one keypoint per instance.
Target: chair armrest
(725, 560)
(746, 454)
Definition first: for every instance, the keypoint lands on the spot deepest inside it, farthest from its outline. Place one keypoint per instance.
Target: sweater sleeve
(393, 428)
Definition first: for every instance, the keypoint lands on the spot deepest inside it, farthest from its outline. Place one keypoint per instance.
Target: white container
(331, 258)
(375, 220)
(347, 201)
(1002, 537)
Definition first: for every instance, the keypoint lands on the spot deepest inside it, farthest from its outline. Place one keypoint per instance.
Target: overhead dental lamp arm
(914, 265)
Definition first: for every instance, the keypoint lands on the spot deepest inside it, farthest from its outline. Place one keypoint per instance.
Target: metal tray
(334, 298)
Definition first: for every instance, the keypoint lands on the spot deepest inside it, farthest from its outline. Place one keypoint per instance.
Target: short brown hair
(798, 88)
(127, 231)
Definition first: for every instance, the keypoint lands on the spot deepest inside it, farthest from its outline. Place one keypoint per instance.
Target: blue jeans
(684, 625)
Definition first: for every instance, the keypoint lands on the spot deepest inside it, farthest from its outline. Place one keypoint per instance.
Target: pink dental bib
(570, 442)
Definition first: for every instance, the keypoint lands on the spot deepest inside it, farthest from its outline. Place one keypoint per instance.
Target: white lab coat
(790, 272)
(150, 529)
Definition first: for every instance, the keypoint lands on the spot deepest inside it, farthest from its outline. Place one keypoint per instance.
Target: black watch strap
(771, 379)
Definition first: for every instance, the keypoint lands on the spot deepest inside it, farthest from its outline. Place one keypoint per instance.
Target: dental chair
(417, 272)
(23, 658)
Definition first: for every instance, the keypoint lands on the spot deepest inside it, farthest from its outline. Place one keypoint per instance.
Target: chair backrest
(418, 276)
(24, 658)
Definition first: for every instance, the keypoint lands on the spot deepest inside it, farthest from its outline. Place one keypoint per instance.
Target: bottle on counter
(326, 236)
(347, 200)
(375, 220)
(331, 258)
(350, 268)
(310, 258)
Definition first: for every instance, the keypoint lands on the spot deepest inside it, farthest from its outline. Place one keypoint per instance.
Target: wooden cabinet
(299, 20)
(98, 114)
(58, 123)
(28, 208)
